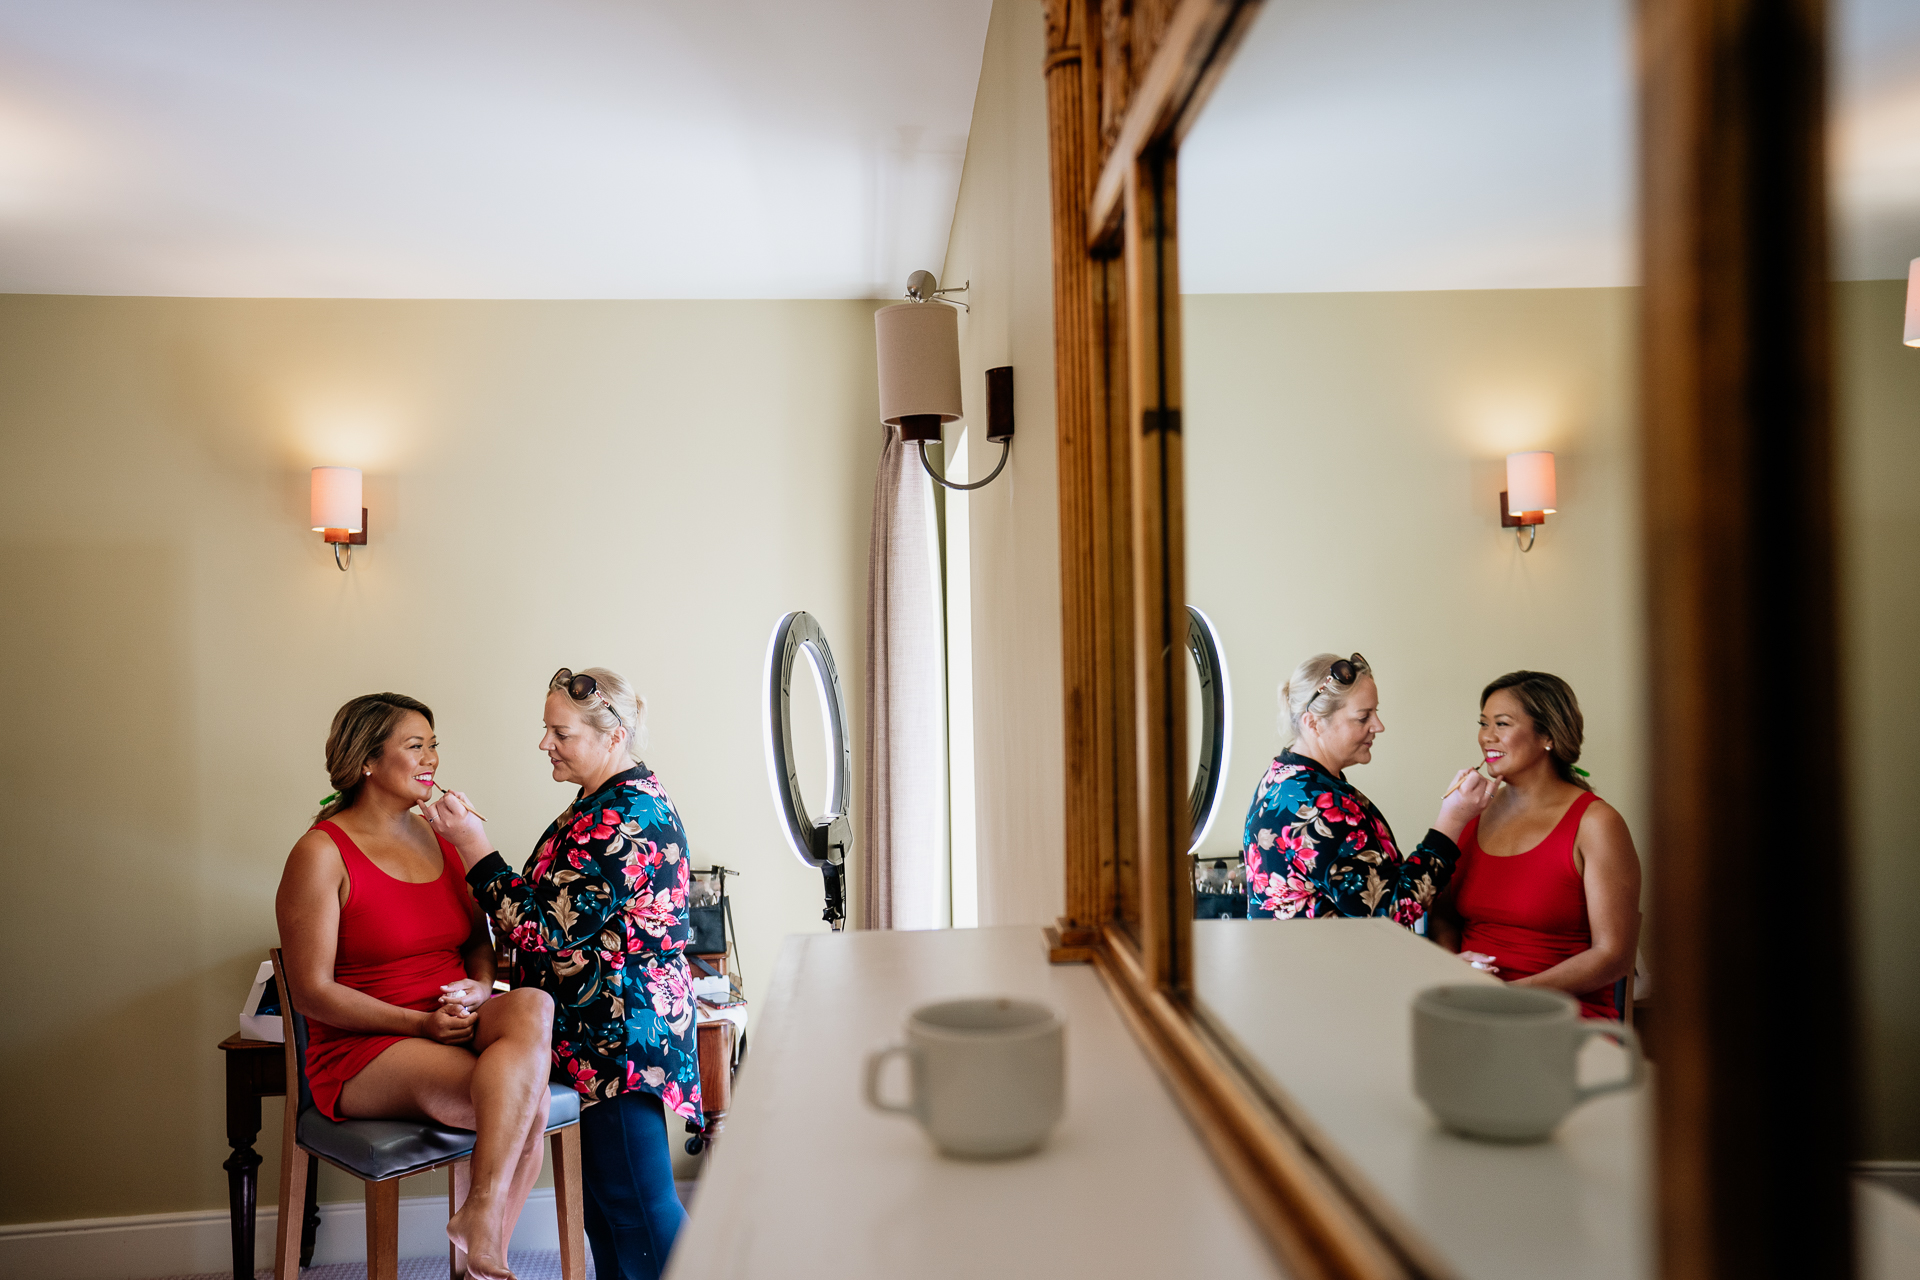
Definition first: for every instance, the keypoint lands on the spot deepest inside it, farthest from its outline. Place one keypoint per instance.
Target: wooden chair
(381, 1152)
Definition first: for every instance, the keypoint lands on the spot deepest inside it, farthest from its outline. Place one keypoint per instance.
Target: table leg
(310, 1225)
(243, 1166)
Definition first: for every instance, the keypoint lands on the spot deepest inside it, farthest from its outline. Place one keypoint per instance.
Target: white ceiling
(482, 148)
(1480, 144)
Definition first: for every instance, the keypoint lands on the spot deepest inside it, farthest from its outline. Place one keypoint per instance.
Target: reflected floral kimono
(598, 920)
(1315, 846)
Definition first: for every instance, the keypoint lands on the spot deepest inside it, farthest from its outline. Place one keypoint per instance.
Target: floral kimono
(598, 920)
(1315, 846)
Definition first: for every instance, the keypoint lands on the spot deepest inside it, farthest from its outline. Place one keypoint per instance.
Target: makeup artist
(1314, 845)
(598, 918)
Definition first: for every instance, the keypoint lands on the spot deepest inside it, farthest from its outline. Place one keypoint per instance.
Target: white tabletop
(1322, 1005)
(807, 1181)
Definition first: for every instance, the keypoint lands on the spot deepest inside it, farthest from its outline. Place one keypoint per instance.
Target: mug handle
(1622, 1035)
(875, 1061)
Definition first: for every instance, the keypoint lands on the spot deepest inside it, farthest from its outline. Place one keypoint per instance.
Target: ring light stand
(1216, 724)
(821, 843)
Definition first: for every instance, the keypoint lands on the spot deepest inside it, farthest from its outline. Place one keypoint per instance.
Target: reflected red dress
(1529, 910)
(399, 942)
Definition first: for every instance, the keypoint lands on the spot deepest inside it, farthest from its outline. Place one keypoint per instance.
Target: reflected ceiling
(1488, 144)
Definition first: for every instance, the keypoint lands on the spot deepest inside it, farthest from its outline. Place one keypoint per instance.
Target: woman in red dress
(1548, 883)
(389, 959)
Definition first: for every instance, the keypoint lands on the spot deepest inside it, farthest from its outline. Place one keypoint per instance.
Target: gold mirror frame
(1737, 499)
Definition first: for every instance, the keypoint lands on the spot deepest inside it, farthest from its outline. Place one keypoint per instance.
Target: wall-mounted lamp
(1530, 496)
(919, 349)
(337, 514)
(1913, 304)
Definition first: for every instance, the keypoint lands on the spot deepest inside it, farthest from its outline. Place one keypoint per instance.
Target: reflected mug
(1499, 1062)
(988, 1076)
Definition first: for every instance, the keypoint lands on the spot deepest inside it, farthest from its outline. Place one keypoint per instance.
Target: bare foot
(486, 1252)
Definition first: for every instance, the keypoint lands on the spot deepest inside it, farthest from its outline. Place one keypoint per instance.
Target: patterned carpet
(528, 1266)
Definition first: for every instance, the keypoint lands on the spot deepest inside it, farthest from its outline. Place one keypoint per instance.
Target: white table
(1322, 1005)
(807, 1181)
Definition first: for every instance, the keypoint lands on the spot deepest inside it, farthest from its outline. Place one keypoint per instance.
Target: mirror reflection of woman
(389, 959)
(598, 919)
(1549, 881)
(1314, 845)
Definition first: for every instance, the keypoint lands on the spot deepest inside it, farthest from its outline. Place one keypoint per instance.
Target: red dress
(399, 942)
(1529, 911)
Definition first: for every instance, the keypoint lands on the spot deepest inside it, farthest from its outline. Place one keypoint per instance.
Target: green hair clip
(328, 799)
(1577, 769)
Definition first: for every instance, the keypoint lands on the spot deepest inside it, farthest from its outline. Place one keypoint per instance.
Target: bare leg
(497, 1094)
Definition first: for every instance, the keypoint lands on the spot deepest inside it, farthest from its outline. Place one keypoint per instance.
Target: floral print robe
(598, 920)
(1315, 846)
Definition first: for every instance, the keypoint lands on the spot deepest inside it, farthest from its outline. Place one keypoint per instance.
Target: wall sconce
(919, 350)
(337, 514)
(1530, 484)
(1913, 304)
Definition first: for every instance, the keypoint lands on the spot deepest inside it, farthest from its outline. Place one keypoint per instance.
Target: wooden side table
(257, 1069)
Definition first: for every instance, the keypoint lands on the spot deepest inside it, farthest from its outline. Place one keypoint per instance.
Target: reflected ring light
(822, 843)
(1216, 724)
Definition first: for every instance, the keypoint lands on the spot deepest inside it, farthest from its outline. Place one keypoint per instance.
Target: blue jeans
(632, 1211)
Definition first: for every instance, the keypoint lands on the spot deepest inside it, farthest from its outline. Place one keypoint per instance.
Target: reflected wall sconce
(1912, 338)
(1530, 495)
(336, 512)
(919, 349)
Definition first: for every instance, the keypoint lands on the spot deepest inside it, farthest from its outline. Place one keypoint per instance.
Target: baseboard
(173, 1244)
(1897, 1175)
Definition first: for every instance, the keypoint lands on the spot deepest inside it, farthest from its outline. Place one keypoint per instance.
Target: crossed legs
(498, 1090)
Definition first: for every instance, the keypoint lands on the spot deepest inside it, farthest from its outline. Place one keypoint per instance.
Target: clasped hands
(452, 1022)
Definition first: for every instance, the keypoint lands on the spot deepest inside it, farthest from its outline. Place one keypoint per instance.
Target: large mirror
(1407, 252)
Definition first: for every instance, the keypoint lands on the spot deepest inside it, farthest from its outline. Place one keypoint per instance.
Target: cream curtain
(904, 866)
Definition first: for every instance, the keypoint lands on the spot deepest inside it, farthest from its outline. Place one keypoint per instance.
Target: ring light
(1216, 723)
(823, 843)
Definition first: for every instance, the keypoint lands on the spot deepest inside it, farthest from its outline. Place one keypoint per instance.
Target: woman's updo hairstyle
(629, 708)
(1301, 692)
(1556, 716)
(359, 734)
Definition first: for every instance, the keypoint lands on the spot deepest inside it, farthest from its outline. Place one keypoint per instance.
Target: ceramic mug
(988, 1075)
(1498, 1062)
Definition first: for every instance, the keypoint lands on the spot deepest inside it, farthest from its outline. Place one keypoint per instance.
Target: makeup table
(808, 1181)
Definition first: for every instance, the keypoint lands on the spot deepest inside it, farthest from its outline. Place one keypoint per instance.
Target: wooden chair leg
(383, 1230)
(566, 1203)
(293, 1200)
(459, 1182)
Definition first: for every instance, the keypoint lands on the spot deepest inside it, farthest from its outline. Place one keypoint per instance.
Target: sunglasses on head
(1343, 672)
(583, 688)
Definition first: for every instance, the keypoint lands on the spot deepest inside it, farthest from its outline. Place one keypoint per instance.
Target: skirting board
(172, 1244)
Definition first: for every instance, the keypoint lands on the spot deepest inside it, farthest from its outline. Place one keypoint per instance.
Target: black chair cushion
(380, 1149)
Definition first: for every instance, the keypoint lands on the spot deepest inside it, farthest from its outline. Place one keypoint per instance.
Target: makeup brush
(444, 792)
(1450, 790)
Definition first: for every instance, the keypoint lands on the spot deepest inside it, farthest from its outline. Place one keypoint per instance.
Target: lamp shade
(919, 348)
(336, 500)
(1913, 303)
(1530, 484)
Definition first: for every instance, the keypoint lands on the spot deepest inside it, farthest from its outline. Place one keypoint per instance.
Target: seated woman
(1549, 883)
(1314, 845)
(389, 959)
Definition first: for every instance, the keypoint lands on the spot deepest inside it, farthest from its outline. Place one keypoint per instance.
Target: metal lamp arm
(1006, 449)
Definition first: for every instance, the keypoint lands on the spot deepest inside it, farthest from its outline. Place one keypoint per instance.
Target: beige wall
(1001, 242)
(644, 485)
(1878, 392)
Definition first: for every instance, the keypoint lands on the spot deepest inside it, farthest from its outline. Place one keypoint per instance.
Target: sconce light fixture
(919, 350)
(337, 514)
(1913, 304)
(1530, 496)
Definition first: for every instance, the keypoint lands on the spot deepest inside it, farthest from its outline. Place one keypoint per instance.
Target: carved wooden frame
(1735, 367)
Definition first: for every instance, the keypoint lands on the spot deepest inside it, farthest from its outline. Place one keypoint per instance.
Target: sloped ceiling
(482, 148)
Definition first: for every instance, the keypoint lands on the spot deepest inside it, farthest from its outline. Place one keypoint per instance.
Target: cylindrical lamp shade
(919, 345)
(336, 499)
(1530, 484)
(1913, 303)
